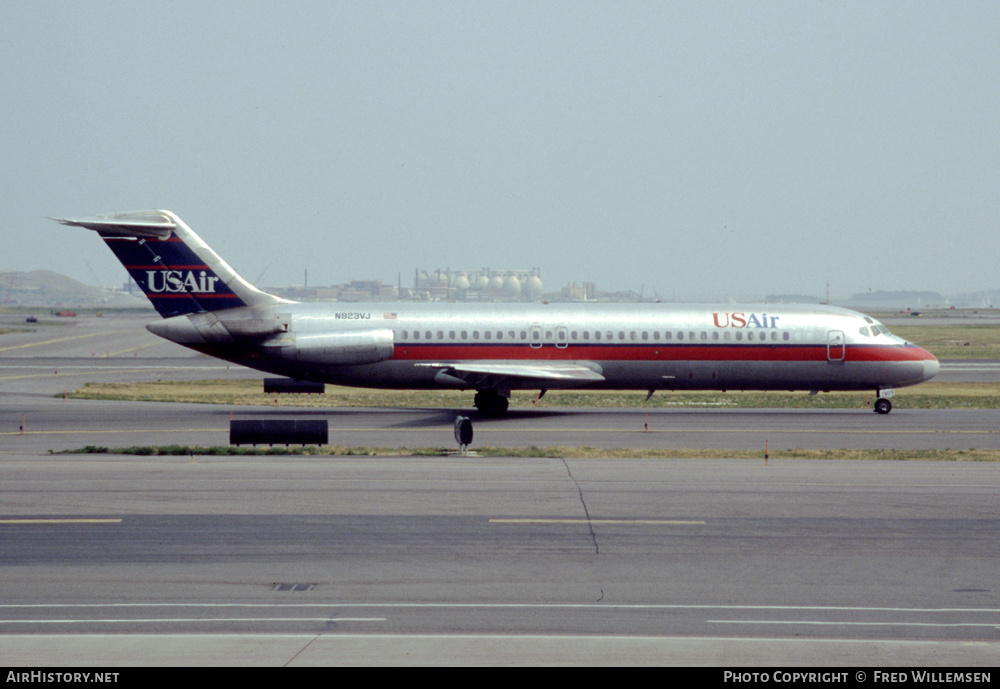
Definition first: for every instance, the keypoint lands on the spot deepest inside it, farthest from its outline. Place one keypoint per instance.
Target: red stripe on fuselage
(170, 267)
(188, 295)
(172, 239)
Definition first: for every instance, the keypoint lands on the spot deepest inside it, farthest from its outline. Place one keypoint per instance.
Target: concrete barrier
(278, 432)
(292, 385)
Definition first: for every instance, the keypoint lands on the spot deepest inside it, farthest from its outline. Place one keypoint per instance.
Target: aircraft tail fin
(176, 270)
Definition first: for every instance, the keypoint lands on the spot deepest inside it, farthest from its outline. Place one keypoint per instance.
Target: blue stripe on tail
(172, 276)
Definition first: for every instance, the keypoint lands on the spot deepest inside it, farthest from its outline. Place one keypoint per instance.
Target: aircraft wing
(516, 374)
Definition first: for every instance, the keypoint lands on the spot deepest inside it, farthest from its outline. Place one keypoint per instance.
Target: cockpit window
(863, 330)
(879, 329)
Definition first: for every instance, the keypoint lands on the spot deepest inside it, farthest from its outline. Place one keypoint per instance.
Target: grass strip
(575, 452)
(930, 395)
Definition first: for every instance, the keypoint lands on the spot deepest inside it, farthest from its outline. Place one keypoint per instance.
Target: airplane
(493, 349)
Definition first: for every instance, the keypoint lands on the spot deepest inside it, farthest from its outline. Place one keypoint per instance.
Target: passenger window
(680, 335)
(786, 336)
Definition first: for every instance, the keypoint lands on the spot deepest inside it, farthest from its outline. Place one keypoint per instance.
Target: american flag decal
(389, 315)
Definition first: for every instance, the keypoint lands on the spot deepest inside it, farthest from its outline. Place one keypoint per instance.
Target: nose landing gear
(883, 406)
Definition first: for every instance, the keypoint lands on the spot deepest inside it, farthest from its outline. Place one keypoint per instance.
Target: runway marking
(107, 370)
(186, 620)
(439, 429)
(825, 623)
(611, 606)
(596, 521)
(110, 432)
(55, 374)
(60, 521)
(984, 366)
(848, 431)
(137, 348)
(63, 339)
(112, 367)
(552, 431)
(641, 431)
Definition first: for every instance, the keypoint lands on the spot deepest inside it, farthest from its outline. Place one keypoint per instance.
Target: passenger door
(836, 347)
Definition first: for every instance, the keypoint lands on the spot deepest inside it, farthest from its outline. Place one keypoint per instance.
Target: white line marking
(609, 606)
(822, 623)
(186, 620)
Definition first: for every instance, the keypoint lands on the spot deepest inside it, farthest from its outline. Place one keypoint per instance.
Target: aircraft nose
(931, 367)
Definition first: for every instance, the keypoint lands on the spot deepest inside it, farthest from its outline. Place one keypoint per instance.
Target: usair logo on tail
(176, 281)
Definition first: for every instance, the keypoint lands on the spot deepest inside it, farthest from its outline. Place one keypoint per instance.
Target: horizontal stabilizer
(147, 224)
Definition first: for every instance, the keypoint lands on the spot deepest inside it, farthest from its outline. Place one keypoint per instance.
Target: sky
(693, 150)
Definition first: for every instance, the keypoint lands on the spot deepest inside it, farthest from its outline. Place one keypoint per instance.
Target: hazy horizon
(699, 149)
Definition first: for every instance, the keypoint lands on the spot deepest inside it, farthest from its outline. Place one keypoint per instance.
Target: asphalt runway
(124, 560)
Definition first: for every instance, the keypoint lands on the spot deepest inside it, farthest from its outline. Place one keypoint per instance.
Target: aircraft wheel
(491, 403)
(883, 406)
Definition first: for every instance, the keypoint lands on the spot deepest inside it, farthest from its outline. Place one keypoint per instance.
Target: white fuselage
(629, 346)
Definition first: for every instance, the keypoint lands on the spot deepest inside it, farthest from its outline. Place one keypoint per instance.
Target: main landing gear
(491, 403)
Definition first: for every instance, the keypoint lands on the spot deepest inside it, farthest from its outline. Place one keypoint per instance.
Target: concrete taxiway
(309, 560)
(195, 560)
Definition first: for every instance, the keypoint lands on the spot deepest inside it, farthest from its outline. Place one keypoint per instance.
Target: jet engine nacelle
(339, 348)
